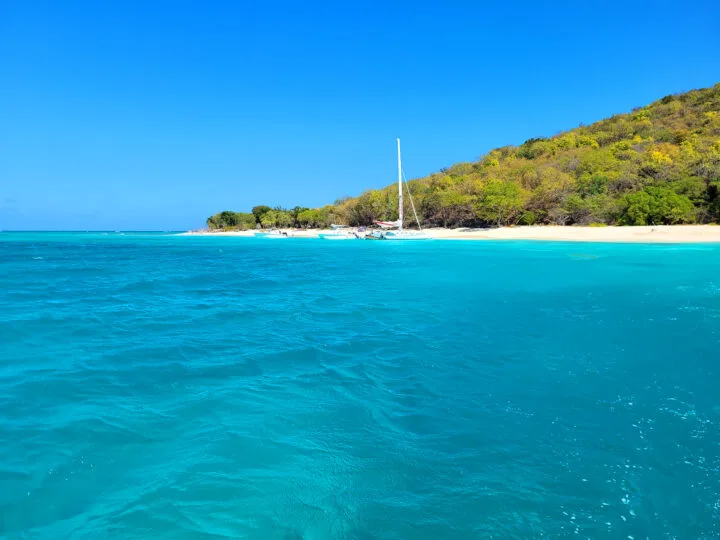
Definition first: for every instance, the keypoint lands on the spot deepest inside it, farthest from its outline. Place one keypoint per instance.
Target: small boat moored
(339, 232)
(273, 233)
(405, 235)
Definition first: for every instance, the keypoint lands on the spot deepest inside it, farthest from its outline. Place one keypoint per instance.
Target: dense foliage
(267, 218)
(659, 164)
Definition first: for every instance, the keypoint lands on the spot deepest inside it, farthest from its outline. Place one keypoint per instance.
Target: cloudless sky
(156, 114)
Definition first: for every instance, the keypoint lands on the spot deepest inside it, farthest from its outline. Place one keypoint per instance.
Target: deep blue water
(157, 386)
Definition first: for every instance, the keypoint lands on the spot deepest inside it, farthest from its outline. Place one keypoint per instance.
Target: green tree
(600, 208)
(546, 200)
(372, 206)
(657, 206)
(276, 218)
(448, 208)
(284, 218)
(228, 219)
(245, 220)
(638, 208)
(501, 203)
(309, 218)
(231, 220)
(213, 222)
(259, 212)
(295, 212)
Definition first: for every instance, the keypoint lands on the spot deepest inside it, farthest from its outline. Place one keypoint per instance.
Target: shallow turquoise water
(177, 387)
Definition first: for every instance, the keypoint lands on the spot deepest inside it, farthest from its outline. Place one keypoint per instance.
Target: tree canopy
(231, 220)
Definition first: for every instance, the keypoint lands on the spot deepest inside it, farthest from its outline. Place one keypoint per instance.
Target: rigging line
(412, 203)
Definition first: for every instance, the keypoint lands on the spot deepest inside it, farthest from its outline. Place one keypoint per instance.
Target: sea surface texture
(159, 386)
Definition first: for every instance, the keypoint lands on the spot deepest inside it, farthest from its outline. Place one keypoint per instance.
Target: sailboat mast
(400, 189)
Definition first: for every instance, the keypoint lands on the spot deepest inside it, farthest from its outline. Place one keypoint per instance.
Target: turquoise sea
(160, 386)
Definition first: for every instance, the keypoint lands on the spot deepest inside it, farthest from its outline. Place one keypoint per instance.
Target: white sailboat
(271, 234)
(339, 232)
(399, 234)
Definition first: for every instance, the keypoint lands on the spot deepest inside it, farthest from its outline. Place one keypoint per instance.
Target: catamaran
(399, 234)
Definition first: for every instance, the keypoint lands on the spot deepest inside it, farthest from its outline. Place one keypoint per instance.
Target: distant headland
(657, 165)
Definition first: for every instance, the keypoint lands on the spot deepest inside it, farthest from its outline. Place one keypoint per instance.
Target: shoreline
(650, 234)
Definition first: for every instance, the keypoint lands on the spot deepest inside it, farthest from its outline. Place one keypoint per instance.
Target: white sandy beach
(649, 234)
(652, 234)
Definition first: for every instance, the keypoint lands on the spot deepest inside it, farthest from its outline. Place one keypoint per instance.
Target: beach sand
(650, 234)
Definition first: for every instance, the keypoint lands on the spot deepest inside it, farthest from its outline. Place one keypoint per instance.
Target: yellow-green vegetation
(659, 164)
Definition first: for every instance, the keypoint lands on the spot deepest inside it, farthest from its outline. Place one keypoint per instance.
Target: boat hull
(397, 236)
(337, 237)
(407, 238)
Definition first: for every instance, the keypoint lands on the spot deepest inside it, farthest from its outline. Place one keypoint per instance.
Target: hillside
(658, 164)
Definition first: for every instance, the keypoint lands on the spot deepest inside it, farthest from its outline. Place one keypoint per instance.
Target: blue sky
(154, 115)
